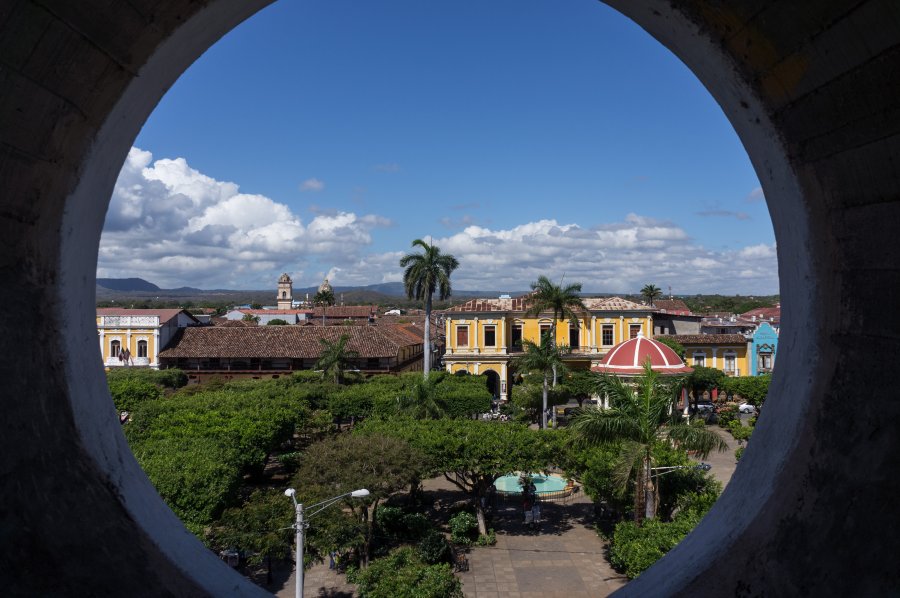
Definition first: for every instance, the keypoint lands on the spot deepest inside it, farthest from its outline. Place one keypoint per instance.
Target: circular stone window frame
(746, 511)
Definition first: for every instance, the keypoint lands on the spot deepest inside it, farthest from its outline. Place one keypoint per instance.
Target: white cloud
(312, 184)
(613, 257)
(388, 167)
(173, 225)
(755, 196)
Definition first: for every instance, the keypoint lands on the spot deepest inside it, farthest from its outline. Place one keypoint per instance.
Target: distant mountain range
(390, 289)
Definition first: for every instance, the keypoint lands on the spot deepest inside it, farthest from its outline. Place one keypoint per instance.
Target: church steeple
(285, 295)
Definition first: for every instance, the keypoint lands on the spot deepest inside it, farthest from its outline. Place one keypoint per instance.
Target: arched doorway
(493, 383)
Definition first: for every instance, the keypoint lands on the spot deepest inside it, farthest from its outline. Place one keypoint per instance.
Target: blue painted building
(763, 346)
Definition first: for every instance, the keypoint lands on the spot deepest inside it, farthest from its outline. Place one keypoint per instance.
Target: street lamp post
(300, 526)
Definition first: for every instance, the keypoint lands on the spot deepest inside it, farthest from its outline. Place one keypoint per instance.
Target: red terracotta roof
(346, 311)
(270, 312)
(764, 313)
(293, 342)
(672, 306)
(521, 304)
(628, 358)
(707, 339)
(235, 324)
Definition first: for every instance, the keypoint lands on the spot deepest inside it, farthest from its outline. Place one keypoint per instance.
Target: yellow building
(483, 335)
(726, 352)
(136, 336)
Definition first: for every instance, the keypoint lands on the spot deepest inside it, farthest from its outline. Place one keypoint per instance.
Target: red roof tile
(293, 342)
(707, 339)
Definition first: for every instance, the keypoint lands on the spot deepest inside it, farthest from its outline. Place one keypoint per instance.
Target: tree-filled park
(222, 453)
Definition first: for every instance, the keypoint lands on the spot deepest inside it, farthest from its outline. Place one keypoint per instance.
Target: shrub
(397, 525)
(402, 574)
(634, 548)
(738, 453)
(727, 414)
(488, 539)
(434, 548)
(463, 528)
(128, 393)
(739, 430)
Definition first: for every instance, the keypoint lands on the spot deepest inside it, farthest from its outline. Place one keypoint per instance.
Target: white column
(477, 367)
(449, 337)
(503, 381)
(103, 345)
(503, 335)
(622, 337)
(475, 338)
(715, 350)
(155, 361)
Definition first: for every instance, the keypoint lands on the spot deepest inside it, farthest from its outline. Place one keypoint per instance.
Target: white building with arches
(134, 337)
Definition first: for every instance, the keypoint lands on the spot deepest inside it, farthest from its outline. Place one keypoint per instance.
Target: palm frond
(629, 460)
(697, 439)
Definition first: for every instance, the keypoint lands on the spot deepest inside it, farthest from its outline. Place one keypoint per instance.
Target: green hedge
(634, 548)
(403, 574)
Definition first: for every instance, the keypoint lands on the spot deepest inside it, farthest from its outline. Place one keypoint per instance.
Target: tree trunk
(426, 349)
(544, 410)
(649, 491)
(479, 513)
(481, 485)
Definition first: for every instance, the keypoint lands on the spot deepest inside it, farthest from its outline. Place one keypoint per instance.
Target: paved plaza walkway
(563, 557)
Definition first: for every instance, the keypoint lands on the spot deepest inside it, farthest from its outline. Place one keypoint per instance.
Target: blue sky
(529, 137)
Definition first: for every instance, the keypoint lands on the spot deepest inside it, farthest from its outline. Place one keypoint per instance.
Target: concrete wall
(813, 91)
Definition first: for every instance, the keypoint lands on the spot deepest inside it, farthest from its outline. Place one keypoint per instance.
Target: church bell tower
(285, 296)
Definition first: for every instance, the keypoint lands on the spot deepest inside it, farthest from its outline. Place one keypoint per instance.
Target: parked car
(746, 408)
(705, 407)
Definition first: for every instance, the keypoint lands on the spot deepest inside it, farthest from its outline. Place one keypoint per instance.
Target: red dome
(628, 358)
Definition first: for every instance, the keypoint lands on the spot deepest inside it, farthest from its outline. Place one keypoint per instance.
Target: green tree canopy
(335, 358)
(380, 463)
(641, 416)
(651, 293)
(403, 574)
(260, 527)
(277, 322)
(324, 298)
(471, 454)
(545, 359)
(752, 389)
(564, 302)
(704, 379)
(582, 384)
(424, 274)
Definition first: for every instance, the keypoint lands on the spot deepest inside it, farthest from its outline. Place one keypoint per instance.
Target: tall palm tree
(641, 416)
(564, 301)
(544, 358)
(336, 358)
(651, 293)
(426, 273)
(418, 400)
(325, 297)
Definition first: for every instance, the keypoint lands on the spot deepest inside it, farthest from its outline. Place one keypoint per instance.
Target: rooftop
(292, 342)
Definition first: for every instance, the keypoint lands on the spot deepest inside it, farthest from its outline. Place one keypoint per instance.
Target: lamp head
(290, 492)
(359, 493)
